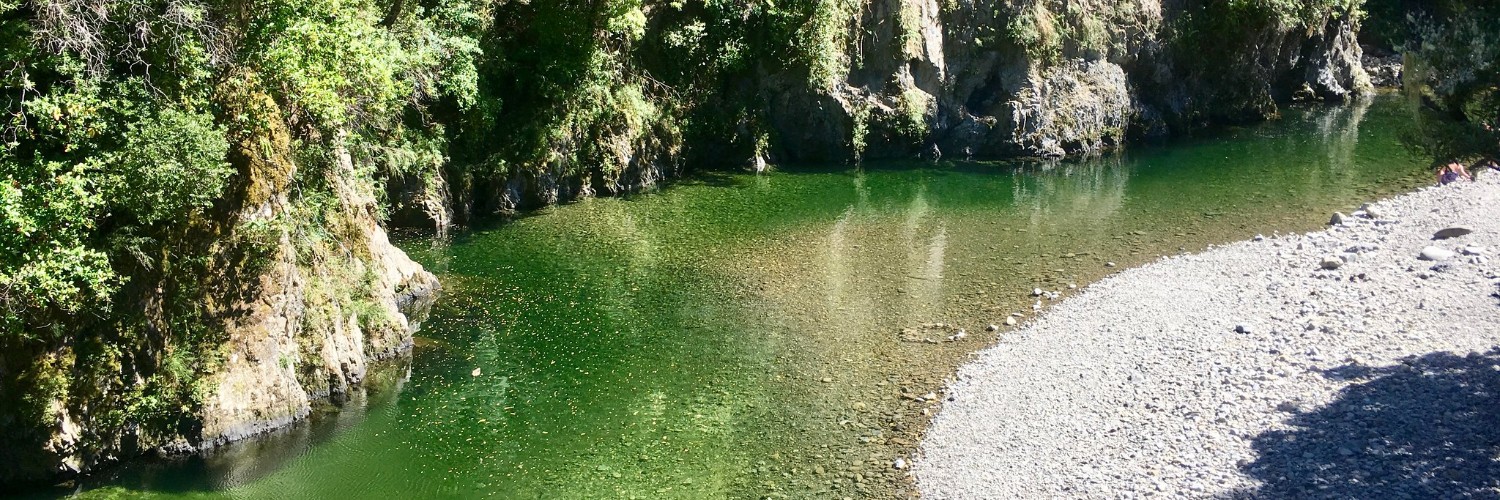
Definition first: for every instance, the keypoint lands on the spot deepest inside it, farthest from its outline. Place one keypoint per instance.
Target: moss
(859, 128)
(46, 380)
(912, 109)
(1037, 32)
(827, 40)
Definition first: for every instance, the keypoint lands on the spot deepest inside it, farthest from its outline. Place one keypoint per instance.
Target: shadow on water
(1426, 428)
(248, 461)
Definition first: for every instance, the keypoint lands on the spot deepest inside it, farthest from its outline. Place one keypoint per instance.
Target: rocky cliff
(845, 80)
(292, 308)
(314, 324)
(1451, 71)
(1055, 78)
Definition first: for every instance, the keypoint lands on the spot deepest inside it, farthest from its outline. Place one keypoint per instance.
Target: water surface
(778, 335)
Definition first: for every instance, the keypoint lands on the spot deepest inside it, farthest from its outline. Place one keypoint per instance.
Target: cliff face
(844, 80)
(1051, 78)
(286, 319)
(303, 336)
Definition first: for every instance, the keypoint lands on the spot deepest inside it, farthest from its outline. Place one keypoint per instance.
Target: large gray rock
(1436, 254)
(918, 73)
(1077, 107)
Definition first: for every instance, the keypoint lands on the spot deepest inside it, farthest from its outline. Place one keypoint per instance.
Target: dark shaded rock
(1452, 232)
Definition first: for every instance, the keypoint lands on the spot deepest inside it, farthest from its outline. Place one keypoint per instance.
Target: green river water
(743, 336)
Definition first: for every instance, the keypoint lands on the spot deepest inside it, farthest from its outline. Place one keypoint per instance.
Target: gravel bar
(1355, 362)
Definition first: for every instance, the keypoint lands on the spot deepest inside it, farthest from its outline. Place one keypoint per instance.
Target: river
(776, 335)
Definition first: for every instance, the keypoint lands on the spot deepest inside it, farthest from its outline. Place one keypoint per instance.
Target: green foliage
(132, 134)
(1452, 74)
(1047, 31)
(171, 165)
(1036, 31)
(826, 40)
(913, 107)
(604, 87)
(1386, 22)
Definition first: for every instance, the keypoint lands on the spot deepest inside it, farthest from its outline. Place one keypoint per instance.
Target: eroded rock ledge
(291, 312)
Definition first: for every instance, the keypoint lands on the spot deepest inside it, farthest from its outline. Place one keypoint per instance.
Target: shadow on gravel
(1428, 428)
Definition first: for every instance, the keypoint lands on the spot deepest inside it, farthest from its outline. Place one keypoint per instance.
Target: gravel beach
(1355, 362)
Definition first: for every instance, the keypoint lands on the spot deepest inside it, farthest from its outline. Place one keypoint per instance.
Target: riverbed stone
(1451, 232)
(1436, 254)
(1128, 374)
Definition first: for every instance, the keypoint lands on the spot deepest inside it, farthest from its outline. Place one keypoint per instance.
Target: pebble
(1330, 262)
(1337, 219)
(1134, 387)
(1010, 321)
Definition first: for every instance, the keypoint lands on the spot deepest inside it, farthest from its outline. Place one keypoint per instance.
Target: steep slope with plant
(604, 97)
(190, 243)
(1052, 78)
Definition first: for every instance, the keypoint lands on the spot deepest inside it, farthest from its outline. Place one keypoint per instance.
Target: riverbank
(1338, 362)
(782, 335)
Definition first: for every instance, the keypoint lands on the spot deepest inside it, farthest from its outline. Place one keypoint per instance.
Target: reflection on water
(238, 465)
(775, 335)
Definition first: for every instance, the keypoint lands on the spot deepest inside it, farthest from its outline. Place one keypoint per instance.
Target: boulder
(1436, 254)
